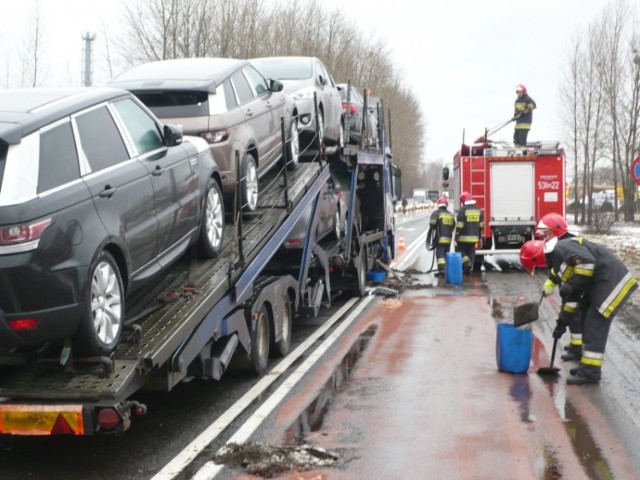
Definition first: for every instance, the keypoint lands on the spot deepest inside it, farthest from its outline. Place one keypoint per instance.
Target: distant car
(97, 197)
(359, 132)
(302, 77)
(332, 209)
(229, 104)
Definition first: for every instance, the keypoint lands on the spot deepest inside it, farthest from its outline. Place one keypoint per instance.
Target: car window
(229, 96)
(256, 80)
(241, 87)
(100, 139)
(58, 157)
(142, 128)
(176, 104)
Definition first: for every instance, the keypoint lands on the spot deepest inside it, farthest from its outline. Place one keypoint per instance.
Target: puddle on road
(310, 420)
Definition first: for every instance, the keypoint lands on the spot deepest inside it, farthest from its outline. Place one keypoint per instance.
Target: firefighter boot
(574, 353)
(584, 374)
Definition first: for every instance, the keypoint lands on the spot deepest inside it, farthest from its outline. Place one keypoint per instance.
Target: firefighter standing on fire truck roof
(440, 234)
(523, 116)
(591, 272)
(470, 222)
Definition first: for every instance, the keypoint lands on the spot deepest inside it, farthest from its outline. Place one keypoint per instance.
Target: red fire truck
(514, 188)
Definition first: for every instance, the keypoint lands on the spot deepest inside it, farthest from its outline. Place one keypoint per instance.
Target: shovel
(527, 312)
(550, 370)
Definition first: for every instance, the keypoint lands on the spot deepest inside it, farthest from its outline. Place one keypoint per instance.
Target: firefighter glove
(548, 287)
(561, 327)
(566, 291)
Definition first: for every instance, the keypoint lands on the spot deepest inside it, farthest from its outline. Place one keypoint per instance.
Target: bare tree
(34, 71)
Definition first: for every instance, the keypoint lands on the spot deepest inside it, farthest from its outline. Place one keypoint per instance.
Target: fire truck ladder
(477, 173)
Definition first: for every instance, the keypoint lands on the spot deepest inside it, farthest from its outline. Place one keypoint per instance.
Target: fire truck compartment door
(512, 194)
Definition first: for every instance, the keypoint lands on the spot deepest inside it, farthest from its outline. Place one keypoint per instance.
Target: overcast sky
(462, 58)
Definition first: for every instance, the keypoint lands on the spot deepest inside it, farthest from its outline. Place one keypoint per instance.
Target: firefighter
(575, 306)
(470, 222)
(440, 234)
(523, 116)
(532, 256)
(591, 273)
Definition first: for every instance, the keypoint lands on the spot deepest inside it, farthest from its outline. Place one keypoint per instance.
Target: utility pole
(88, 38)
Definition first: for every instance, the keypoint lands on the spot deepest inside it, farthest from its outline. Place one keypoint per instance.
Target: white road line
(411, 251)
(210, 469)
(191, 451)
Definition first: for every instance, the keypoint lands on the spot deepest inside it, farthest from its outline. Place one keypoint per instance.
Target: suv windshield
(176, 104)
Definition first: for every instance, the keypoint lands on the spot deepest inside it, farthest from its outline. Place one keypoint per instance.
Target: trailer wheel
(100, 329)
(283, 345)
(212, 223)
(260, 341)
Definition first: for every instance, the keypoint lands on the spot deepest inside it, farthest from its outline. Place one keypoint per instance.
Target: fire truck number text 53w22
(544, 185)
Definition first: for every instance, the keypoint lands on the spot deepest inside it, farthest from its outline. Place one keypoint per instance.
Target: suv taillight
(216, 136)
(22, 238)
(352, 108)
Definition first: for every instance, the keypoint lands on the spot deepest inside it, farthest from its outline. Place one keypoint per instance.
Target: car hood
(292, 86)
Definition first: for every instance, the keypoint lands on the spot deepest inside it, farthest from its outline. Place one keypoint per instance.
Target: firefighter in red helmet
(469, 224)
(440, 234)
(594, 276)
(522, 115)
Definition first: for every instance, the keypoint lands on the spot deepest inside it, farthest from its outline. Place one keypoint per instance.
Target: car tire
(360, 274)
(320, 129)
(260, 342)
(212, 222)
(336, 233)
(100, 329)
(293, 146)
(249, 184)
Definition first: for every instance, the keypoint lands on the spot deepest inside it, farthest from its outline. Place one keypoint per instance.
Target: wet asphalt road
(420, 393)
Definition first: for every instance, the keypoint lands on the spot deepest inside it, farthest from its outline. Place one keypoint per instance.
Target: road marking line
(191, 451)
(210, 469)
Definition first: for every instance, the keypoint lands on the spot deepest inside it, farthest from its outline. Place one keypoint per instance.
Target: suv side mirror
(172, 135)
(275, 85)
(445, 173)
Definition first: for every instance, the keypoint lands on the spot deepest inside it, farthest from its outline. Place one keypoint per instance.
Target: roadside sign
(635, 170)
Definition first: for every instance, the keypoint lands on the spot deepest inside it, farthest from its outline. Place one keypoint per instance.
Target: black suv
(96, 198)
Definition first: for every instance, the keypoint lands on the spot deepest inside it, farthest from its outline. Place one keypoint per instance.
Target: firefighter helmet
(532, 255)
(555, 223)
(442, 202)
(521, 88)
(465, 197)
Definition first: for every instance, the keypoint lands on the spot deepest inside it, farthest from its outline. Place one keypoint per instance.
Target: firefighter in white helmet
(440, 234)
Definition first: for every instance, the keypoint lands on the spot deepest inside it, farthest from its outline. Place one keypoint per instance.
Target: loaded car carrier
(514, 188)
(206, 312)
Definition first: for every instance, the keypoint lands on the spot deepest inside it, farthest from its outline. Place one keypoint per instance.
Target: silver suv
(229, 104)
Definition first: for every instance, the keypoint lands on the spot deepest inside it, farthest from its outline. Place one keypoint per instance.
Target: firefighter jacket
(523, 112)
(470, 222)
(443, 223)
(591, 270)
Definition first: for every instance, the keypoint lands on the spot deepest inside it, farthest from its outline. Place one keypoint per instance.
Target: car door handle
(107, 192)
(268, 104)
(157, 171)
(248, 112)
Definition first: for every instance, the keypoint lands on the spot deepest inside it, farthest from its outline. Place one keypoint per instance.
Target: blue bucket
(513, 348)
(453, 268)
(376, 276)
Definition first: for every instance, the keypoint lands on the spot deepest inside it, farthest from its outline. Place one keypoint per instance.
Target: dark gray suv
(96, 198)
